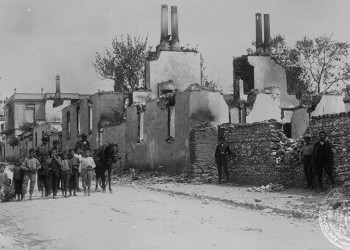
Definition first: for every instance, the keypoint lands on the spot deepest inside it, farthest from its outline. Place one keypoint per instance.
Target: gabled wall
(183, 68)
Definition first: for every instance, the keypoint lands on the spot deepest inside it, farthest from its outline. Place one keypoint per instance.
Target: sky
(42, 38)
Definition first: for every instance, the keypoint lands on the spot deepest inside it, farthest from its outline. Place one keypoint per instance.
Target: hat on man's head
(55, 141)
(307, 136)
(83, 135)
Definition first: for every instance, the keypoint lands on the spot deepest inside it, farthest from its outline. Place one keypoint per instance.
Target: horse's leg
(103, 180)
(109, 177)
(97, 178)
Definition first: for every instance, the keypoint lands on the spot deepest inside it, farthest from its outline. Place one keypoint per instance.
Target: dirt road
(134, 218)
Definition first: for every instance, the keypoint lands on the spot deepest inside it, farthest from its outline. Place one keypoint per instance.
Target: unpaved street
(134, 218)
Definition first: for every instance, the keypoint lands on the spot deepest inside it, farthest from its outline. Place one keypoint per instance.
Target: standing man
(42, 154)
(221, 153)
(306, 157)
(323, 159)
(83, 144)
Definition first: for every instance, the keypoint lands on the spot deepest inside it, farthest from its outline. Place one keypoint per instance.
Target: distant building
(89, 115)
(41, 111)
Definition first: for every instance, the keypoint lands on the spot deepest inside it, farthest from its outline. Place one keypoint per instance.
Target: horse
(105, 157)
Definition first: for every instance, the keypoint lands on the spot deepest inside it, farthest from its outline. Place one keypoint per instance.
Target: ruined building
(156, 132)
(260, 84)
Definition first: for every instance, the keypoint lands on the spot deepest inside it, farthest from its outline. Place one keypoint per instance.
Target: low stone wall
(336, 127)
(203, 141)
(260, 154)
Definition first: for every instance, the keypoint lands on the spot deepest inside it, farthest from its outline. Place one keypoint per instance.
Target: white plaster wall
(347, 107)
(54, 114)
(212, 103)
(234, 113)
(181, 67)
(143, 96)
(266, 106)
(267, 74)
(329, 104)
(300, 122)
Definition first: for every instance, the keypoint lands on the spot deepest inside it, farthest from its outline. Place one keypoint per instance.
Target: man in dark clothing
(323, 159)
(42, 154)
(221, 153)
(55, 165)
(83, 143)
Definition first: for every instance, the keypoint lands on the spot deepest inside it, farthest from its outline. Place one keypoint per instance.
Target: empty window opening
(90, 116)
(68, 123)
(171, 121)
(140, 121)
(78, 120)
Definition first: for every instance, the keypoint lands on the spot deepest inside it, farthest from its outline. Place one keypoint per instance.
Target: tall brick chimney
(267, 33)
(58, 84)
(259, 42)
(174, 43)
(58, 100)
(164, 23)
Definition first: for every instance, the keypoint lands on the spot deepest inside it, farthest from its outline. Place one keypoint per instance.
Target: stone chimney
(58, 84)
(42, 90)
(58, 100)
(164, 35)
(174, 42)
(259, 43)
(267, 33)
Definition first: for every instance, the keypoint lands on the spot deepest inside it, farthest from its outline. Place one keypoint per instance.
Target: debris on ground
(268, 188)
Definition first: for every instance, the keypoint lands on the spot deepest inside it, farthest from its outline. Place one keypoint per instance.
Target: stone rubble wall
(336, 127)
(262, 154)
(203, 141)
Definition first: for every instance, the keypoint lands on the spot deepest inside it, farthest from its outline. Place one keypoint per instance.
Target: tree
(124, 64)
(324, 62)
(13, 141)
(312, 66)
(205, 81)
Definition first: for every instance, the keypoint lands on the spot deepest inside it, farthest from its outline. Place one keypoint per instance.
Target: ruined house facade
(88, 116)
(157, 128)
(260, 84)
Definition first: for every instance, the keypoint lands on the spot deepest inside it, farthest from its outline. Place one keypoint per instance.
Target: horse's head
(111, 152)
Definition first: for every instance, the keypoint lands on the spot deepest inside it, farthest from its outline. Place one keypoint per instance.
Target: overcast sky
(42, 38)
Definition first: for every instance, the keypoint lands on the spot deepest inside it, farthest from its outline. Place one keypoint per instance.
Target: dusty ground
(135, 217)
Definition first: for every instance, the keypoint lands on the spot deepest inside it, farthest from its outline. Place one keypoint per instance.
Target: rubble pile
(150, 177)
(268, 188)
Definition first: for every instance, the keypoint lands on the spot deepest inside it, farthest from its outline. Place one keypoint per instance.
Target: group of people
(317, 159)
(49, 169)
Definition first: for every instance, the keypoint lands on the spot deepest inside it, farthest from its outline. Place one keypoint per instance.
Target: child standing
(87, 165)
(30, 166)
(74, 162)
(8, 192)
(18, 179)
(3, 175)
(66, 172)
